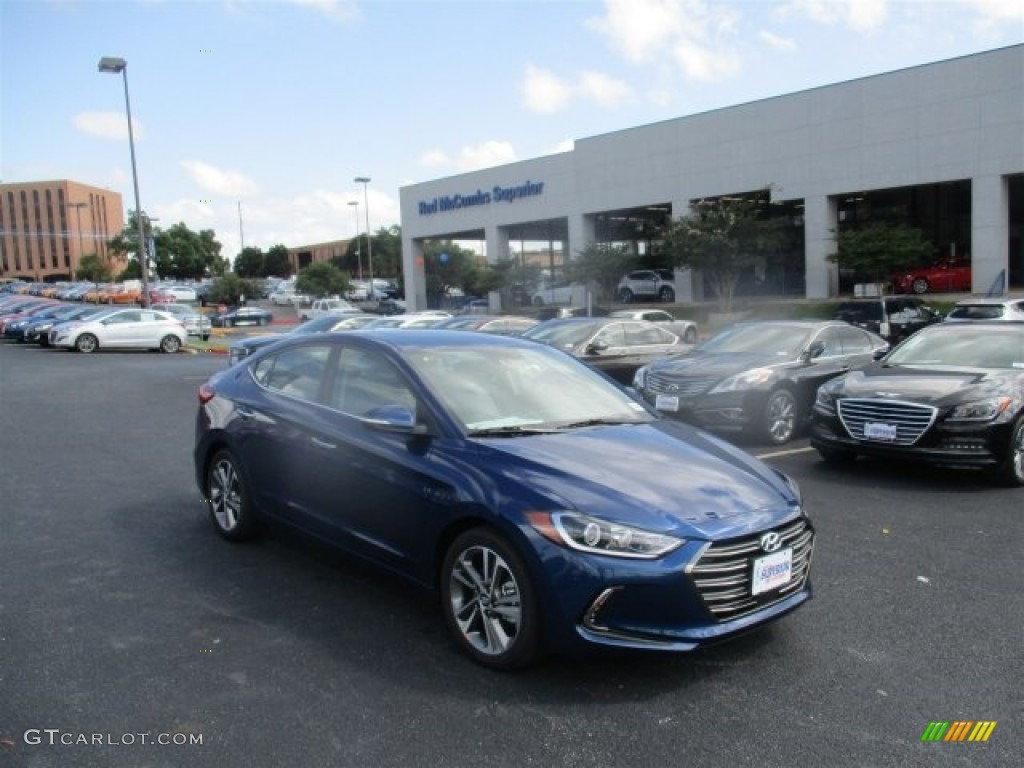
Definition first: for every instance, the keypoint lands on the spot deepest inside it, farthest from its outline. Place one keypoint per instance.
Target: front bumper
(979, 446)
(697, 595)
(721, 411)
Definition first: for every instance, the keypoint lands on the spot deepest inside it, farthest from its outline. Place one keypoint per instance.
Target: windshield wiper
(598, 423)
(510, 431)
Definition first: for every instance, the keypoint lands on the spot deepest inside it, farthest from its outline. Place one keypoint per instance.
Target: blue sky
(280, 104)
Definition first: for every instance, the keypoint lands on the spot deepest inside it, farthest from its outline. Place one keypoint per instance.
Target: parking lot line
(791, 452)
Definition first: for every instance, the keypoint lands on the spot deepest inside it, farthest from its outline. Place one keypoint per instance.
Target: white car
(122, 329)
(553, 293)
(182, 293)
(684, 329)
(321, 307)
(196, 323)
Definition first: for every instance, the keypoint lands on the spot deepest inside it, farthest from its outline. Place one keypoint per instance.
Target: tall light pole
(364, 180)
(81, 247)
(115, 65)
(359, 250)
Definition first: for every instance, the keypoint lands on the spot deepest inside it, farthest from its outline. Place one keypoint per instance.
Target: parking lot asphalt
(124, 618)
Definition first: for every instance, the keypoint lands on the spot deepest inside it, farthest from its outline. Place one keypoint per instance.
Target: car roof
(989, 301)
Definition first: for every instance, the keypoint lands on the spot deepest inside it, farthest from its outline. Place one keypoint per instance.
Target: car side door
(823, 359)
(121, 329)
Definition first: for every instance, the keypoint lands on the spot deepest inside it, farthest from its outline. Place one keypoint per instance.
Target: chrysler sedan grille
(671, 385)
(723, 574)
(889, 421)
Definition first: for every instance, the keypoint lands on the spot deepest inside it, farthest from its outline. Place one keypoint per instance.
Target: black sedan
(241, 316)
(612, 345)
(759, 378)
(952, 394)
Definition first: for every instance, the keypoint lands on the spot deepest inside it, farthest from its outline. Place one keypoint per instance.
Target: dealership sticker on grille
(876, 431)
(667, 402)
(772, 571)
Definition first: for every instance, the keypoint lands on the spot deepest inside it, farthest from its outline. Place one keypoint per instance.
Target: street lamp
(81, 247)
(359, 251)
(115, 65)
(364, 180)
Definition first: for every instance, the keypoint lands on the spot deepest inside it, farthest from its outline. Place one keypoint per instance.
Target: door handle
(323, 443)
(244, 412)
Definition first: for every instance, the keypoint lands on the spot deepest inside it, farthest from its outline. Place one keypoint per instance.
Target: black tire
(690, 337)
(488, 601)
(835, 455)
(666, 294)
(625, 296)
(780, 418)
(205, 337)
(170, 344)
(87, 343)
(920, 285)
(259, 321)
(1010, 472)
(228, 496)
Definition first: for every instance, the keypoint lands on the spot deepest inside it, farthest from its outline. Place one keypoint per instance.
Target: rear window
(859, 312)
(977, 312)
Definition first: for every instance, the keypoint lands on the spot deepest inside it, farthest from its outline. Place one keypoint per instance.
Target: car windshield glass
(487, 389)
(977, 347)
(782, 340)
(976, 312)
(562, 335)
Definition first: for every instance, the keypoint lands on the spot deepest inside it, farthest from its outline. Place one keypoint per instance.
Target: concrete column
(581, 234)
(990, 232)
(497, 244)
(414, 274)
(820, 221)
(689, 282)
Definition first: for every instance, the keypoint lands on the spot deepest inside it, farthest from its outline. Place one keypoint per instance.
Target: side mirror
(879, 353)
(596, 347)
(392, 418)
(813, 351)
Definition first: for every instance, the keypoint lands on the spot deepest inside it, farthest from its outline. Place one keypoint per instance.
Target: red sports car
(948, 275)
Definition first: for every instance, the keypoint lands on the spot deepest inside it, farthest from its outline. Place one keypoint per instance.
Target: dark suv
(894, 318)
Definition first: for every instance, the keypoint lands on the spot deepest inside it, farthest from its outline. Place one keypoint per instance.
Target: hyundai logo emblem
(771, 541)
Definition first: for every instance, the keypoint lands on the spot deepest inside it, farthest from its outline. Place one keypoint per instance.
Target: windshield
(561, 335)
(782, 340)
(498, 388)
(971, 348)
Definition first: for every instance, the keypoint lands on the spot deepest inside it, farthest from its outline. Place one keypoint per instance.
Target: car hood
(662, 476)
(711, 364)
(925, 385)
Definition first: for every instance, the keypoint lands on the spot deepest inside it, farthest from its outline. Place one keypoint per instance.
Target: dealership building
(938, 146)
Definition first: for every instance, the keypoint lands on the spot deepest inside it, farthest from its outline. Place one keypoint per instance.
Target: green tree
(276, 262)
(601, 265)
(722, 237)
(183, 254)
(94, 269)
(446, 266)
(321, 279)
(229, 289)
(878, 249)
(249, 263)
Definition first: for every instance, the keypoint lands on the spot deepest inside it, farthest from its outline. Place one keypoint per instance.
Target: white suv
(656, 284)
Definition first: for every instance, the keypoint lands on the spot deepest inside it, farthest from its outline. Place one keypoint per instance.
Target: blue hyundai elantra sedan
(547, 508)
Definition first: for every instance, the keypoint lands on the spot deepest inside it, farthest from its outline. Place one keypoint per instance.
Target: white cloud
(218, 181)
(434, 158)
(697, 35)
(862, 15)
(605, 90)
(777, 42)
(544, 92)
(341, 11)
(996, 18)
(486, 155)
(107, 125)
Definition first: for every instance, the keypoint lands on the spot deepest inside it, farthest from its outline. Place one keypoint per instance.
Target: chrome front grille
(662, 384)
(723, 573)
(911, 420)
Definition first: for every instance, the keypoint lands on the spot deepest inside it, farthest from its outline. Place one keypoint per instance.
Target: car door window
(365, 380)
(131, 316)
(855, 342)
(612, 336)
(296, 372)
(829, 337)
(643, 334)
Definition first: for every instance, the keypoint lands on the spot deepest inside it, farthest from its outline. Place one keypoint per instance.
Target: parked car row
(86, 328)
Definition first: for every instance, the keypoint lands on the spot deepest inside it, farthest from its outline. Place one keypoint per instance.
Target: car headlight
(999, 408)
(601, 537)
(825, 399)
(746, 380)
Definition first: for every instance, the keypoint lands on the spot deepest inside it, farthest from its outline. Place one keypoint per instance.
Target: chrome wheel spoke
(485, 600)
